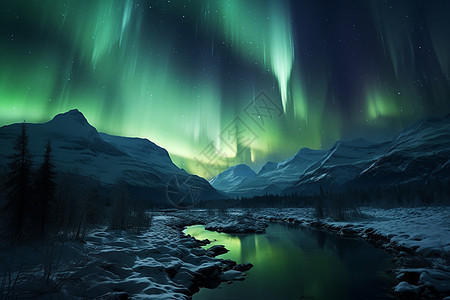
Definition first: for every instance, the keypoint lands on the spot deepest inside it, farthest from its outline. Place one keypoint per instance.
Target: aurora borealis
(221, 82)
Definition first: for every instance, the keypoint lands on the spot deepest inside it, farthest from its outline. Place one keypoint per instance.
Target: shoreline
(421, 254)
(163, 262)
(419, 274)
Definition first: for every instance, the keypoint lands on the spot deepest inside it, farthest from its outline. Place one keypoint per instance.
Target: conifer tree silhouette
(18, 185)
(44, 191)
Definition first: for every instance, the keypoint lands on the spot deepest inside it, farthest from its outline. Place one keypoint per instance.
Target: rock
(347, 232)
(441, 286)
(217, 250)
(172, 270)
(198, 251)
(184, 278)
(203, 242)
(231, 275)
(406, 288)
(411, 277)
(439, 274)
(243, 267)
(209, 270)
(228, 264)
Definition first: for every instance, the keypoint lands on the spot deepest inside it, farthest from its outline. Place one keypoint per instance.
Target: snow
(417, 236)
(228, 221)
(160, 263)
(424, 229)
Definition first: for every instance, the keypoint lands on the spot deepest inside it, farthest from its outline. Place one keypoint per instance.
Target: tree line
(39, 203)
(341, 205)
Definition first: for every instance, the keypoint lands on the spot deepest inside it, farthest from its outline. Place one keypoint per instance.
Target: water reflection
(300, 263)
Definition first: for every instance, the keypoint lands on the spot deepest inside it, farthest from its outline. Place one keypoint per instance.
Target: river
(292, 262)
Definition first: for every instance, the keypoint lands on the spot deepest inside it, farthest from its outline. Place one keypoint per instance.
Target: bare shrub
(10, 278)
(127, 214)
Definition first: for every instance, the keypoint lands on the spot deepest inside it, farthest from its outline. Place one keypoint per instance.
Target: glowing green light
(121, 64)
(261, 34)
(378, 105)
(281, 50)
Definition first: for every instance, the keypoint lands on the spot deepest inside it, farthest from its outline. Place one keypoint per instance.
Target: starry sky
(222, 82)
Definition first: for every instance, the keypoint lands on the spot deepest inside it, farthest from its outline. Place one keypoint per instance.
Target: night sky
(223, 82)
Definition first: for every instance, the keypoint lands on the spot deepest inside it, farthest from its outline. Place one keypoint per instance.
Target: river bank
(158, 263)
(419, 238)
(163, 263)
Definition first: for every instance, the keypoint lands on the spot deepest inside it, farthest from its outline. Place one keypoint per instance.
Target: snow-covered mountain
(272, 178)
(232, 178)
(145, 168)
(343, 162)
(419, 152)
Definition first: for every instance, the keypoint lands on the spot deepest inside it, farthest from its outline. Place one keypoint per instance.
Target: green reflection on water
(296, 263)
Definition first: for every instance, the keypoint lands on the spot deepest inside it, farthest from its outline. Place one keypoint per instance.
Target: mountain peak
(242, 170)
(71, 123)
(304, 151)
(232, 176)
(73, 115)
(268, 166)
(237, 171)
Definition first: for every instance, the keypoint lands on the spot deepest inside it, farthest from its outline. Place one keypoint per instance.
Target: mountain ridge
(78, 148)
(421, 149)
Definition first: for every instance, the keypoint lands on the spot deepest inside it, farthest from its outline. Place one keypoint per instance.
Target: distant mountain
(418, 153)
(343, 162)
(232, 178)
(272, 178)
(78, 149)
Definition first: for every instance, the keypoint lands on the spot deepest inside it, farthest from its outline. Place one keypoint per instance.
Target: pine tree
(18, 186)
(44, 188)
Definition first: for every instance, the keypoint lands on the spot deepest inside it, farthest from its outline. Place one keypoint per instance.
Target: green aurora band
(180, 72)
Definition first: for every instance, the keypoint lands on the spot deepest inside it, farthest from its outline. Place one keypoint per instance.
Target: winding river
(292, 262)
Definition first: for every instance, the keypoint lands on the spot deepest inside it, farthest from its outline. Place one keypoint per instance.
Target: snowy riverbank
(165, 264)
(418, 237)
(160, 263)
